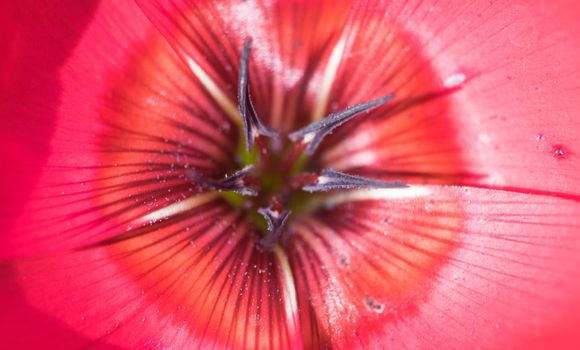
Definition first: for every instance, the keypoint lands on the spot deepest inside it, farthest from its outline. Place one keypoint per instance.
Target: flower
(146, 206)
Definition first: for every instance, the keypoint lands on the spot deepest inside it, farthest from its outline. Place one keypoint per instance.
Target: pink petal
(452, 268)
(512, 124)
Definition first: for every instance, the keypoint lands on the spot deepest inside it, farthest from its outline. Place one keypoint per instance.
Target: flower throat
(275, 179)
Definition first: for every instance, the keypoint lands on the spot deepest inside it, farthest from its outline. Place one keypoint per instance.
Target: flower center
(173, 149)
(171, 166)
(278, 168)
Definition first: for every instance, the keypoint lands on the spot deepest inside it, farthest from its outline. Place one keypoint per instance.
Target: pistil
(276, 221)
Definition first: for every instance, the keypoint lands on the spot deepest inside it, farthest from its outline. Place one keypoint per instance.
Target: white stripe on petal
(179, 207)
(377, 194)
(328, 78)
(214, 90)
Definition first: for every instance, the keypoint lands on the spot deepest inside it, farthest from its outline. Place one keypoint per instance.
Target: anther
(253, 127)
(276, 221)
(330, 180)
(232, 183)
(313, 134)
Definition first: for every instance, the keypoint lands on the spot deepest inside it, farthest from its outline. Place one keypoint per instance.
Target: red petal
(408, 138)
(131, 126)
(533, 244)
(285, 55)
(511, 124)
(520, 111)
(456, 267)
(195, 279)
(34, 45)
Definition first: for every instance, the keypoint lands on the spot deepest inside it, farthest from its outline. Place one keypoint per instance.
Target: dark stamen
(330, 180)
(253, 127)
(276, 221)
(315, 132)
(232, 183)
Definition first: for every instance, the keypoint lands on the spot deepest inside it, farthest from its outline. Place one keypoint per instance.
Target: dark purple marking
(325, 126)
(330, 180)
(253, 127)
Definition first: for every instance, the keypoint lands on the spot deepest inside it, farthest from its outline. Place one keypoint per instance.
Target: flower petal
(194, 279)
(464, 258)
(209, 36)
(128, 125)
(34, 43)
(510, 122)
(518, 115)
(123, 142)
(447, 267)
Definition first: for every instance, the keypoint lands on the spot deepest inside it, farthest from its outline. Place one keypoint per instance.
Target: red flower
(131, 212)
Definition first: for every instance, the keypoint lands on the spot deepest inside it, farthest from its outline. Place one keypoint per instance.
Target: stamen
(330, 180)
(276, 221)
(253, 127)
(232, 183)
(315, 132)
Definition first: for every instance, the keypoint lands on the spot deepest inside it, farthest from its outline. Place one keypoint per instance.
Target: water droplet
(540, 137)
(374, 305)
(559, 152)
(454, 80)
